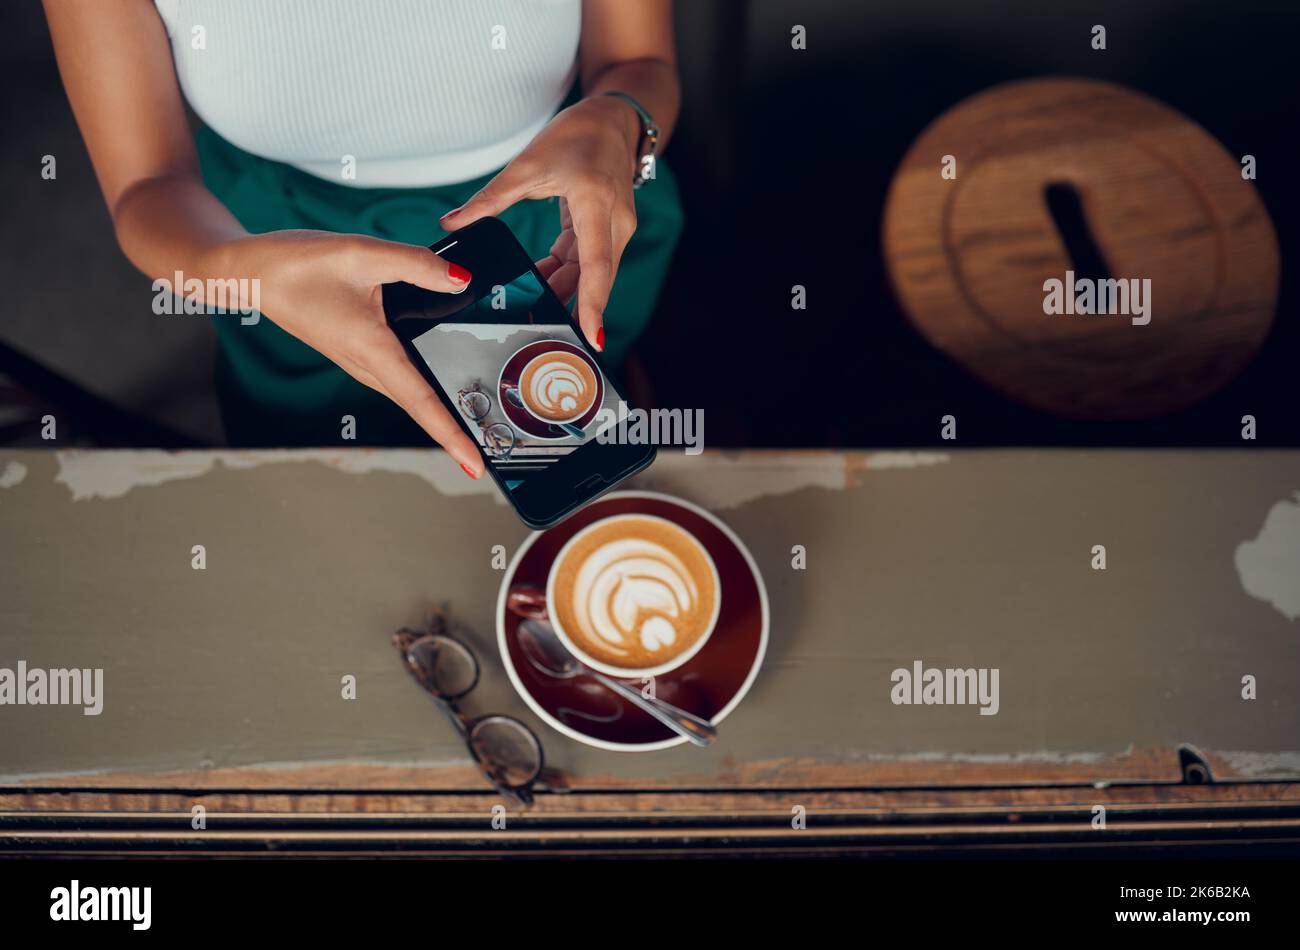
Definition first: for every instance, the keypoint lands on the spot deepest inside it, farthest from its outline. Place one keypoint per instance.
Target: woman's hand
(586, 156)
(324, 289)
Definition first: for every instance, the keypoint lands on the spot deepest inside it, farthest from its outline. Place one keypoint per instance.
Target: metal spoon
(545, 651)
(512, 393)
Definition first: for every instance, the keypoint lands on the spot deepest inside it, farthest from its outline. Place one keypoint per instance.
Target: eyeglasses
(498, 437)
(506, 751)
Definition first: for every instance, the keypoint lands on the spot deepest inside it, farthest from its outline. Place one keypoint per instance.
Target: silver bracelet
(645, 163)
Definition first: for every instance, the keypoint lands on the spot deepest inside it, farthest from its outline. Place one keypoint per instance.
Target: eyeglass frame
(405, 640)
(461, 397)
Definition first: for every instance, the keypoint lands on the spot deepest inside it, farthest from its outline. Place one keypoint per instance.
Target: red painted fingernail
(600, 339)
(451, 214)
(468, 471)
(456, 272)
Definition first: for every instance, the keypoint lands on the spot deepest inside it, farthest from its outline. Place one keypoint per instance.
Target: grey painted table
(230, 676)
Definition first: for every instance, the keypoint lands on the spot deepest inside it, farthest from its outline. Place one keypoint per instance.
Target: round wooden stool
(1081, 181)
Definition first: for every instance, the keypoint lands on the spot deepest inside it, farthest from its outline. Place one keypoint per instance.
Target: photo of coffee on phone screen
(514, 370)
(558, 385)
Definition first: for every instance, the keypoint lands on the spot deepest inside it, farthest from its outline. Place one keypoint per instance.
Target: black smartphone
(513, 368)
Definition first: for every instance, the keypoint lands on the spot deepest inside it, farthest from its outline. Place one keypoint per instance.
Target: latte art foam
(635, 592)
(558, 386)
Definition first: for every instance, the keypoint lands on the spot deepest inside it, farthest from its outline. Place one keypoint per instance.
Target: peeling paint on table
(957, 559)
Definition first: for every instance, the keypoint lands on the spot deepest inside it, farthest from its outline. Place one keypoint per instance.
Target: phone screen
(510, 361)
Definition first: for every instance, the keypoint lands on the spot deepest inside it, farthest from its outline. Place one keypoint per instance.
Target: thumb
(385, 262)
(511, 185)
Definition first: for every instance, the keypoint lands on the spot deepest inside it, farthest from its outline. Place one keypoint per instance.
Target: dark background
(784, 158)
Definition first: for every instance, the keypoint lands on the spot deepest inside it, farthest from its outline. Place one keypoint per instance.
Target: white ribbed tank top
(417, 92)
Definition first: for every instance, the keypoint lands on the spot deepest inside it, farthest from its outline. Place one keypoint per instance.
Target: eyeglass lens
(500, 439)
(446, 667)
(476, 404)
(507, 748)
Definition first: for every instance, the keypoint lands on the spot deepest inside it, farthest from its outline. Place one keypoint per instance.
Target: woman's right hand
(325, 289)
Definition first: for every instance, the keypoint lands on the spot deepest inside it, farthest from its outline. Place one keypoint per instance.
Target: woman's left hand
(587, 157)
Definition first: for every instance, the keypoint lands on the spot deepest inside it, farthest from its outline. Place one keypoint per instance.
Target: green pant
(277, 391)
